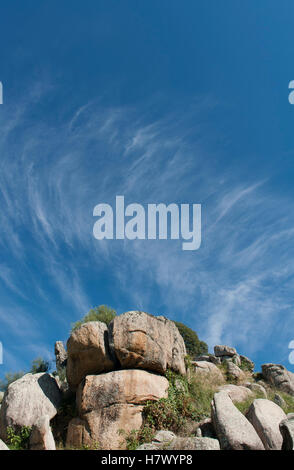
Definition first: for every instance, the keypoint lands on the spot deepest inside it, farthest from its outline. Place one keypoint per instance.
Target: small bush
(18, 440)
(102, 313)
(188, 402)
(39, 365)
(172, 412)
(135, 438)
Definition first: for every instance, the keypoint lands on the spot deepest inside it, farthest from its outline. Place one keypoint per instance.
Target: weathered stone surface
(26, 399)
(232, 428)
(108, 403)
(132, 386)
(223, 350)
(143, 341)
(235, 372)
(256, 388)
(101, 429)
(246, 361)
(3, 446)
(266, 416)
(194, 443)
(207, 368)
(88, 352)
(41, 436)
(164, 437)
(169, 441)
(148, 446)
(237, 393)
(287, 431)
(1, 397)
(278, 376)
(60, 355)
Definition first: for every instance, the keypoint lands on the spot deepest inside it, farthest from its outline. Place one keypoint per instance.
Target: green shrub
(194, 346)
(102, 313)
(39, 365)
(172, 412)
(134, 438)
(187, 402)
(18, 440)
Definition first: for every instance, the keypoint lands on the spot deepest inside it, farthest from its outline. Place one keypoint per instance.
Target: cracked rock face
(88, 352)
(278, 376)
(140, 340)
(108, 403)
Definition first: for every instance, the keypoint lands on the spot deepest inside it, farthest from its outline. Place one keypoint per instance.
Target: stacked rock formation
(224, 355)
(115, 370)
(112, 372)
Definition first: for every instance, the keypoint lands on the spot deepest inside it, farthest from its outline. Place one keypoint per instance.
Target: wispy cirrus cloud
(232, 289)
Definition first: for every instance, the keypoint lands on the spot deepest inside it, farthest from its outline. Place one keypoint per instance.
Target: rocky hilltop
(132, 385)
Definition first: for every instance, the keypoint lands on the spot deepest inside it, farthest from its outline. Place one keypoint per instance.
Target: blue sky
(159, 101)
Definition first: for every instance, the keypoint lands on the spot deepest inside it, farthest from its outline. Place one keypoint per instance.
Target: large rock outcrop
(232, 428)
(110, 402)
(88, 352)
(265, 416)
(140, 340)
(28, 398)
(278, 376)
